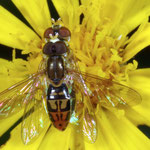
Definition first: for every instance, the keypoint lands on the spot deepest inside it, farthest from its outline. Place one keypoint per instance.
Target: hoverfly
(59, 91)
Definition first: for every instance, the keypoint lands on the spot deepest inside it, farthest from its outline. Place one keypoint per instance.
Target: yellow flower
(102, 47)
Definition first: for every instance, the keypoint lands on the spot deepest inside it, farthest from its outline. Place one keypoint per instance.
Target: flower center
(101, 54)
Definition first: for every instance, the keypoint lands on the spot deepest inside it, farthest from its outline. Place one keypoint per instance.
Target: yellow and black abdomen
(59, 104)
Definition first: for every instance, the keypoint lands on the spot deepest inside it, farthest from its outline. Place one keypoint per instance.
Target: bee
(60, 93)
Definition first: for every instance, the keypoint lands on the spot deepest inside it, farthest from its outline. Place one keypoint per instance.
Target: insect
(60, 93)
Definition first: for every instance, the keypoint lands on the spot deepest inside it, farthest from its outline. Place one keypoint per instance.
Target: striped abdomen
(59, 104)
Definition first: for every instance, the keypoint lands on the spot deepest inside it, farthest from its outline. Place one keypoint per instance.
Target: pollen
(101, 54)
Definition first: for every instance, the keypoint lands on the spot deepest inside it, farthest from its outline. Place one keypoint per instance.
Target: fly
(60, 93)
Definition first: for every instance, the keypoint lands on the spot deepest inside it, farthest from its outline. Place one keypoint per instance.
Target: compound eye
(48, 32)
(64, 33)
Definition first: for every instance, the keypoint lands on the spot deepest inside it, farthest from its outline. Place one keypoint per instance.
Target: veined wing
(30, 94)
(109, 93)
(35, 118)
(101, 91)
(14, 98)
(89, 126)
(84, 111)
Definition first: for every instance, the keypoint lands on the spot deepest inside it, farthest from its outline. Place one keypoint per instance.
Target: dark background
(142, 57)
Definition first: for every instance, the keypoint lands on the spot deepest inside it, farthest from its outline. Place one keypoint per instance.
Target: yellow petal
(15, 141)
(136, 12)
(140, 80)
(14, 71)
(106, 137)
(121, 16)
(137, 42)
(132, 14)
(14, 33)
(117, 133)
(56, 140)
(5, 69)
(36, 12)
(76, 140)
(5, 124)
(128, 135)
(68, 11)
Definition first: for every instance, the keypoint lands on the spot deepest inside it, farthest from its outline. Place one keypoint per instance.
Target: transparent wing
(84, 111)
(14, 98)
(89, 127)
(109, 93)
(35, 118)
(101, 91)
(30, 94)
